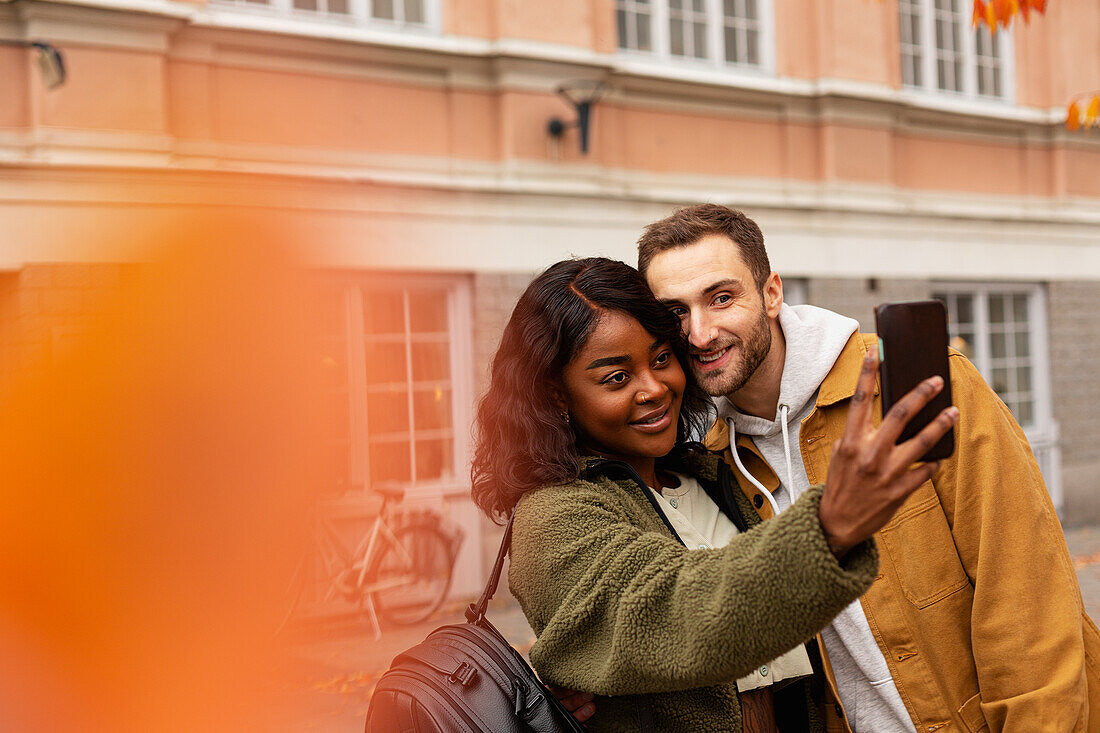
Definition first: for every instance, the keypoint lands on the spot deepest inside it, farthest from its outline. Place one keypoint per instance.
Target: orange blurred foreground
(155, 474)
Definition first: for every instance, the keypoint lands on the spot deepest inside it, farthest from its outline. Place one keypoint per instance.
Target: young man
(976, 618)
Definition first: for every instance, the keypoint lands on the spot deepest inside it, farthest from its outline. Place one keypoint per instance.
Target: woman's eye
(616, 378)
(663, 358)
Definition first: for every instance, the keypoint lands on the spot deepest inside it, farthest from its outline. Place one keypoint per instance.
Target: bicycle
(400, 569)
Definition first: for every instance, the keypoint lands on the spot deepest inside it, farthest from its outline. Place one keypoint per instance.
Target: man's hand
(578, 703)
(869, 476)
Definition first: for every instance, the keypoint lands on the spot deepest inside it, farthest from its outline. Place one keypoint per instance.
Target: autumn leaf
(1073, 117)
(996, 13)
(991, 18)
(1092, 112)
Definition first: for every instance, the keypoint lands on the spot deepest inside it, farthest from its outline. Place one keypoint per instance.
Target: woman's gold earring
(565, 415)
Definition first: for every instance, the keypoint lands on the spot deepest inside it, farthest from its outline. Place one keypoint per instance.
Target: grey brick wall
(857, 297)
(1073, 309)
(494, 297)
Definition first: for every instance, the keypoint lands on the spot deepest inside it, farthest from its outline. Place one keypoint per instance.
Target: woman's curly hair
(521, 440)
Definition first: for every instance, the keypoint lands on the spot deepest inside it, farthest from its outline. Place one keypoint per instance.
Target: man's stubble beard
(733, 376)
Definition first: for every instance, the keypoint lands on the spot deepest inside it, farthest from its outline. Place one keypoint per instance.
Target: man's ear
(773, 294)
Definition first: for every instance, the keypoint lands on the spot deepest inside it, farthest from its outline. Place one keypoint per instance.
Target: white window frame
(460, 330)
(359, 13)
(1043, 432)
(661, 53)
(969, 88)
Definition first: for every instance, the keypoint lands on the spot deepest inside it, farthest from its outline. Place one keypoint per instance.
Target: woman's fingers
(911, 450)
(898, 416)
(859, 414)
(578, 703)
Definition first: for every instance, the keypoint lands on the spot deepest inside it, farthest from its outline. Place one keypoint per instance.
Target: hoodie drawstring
(740, 467)
(784, 410)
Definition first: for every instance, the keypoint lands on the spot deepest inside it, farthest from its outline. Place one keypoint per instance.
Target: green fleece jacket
(621, 608)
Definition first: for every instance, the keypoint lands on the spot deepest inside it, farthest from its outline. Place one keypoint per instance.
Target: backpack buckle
(463, 674)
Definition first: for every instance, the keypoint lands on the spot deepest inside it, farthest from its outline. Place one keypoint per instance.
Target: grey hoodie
(814, 339)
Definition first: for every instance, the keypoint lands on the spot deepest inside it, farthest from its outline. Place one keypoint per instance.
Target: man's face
(722, 312)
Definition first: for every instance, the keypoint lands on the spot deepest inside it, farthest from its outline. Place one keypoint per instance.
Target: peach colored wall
(860, 154)
(470, 18)
(16, 110)
(955, 165)
(671, 142)
(1081, 178)
(106, 90)
(842, 39)
(137, 91)
(588, 24)
(305, 110)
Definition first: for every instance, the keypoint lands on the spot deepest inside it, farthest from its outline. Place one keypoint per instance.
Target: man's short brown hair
(691, 223)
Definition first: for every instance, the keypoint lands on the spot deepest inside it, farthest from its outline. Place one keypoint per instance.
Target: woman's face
(623, 390)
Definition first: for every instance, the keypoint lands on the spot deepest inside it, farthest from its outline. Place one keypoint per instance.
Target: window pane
(999, 381)
(387, 412)
(676, 37)
(750, 9)
(964, 309)
(1025, 412)
(996, 309)
(997, 346)
(385, 363)
(432, 409)
(699, 6)
(732, 51)
(427, 312)
(620, 19)
(414, 11)
(1019, 308)
(389, 462)
(384, 312)
(1023, 345)
(753, 39)
(382, 9)
(1023, 379)
(431, 361)
(305, 4)
(700, 40)
(433, 459)
(644, 42)
(338, 6)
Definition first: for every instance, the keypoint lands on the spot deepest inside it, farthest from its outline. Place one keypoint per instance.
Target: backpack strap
(476, 611)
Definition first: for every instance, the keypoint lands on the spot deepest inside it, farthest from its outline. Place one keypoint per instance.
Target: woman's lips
(650, 425)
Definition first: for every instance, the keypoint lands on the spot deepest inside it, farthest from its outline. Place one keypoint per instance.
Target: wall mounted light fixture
(50, 62)
(581, 94)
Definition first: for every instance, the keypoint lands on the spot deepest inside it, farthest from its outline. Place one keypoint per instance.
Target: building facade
(888, 150)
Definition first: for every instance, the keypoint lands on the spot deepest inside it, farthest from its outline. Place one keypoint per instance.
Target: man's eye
(678, 311)
(723, 299)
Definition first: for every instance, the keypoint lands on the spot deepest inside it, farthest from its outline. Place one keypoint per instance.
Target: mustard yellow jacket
(976, 605)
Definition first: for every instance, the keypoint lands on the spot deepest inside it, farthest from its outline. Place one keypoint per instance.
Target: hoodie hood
(814, 339)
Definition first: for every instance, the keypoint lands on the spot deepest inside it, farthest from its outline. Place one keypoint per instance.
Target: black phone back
(914, 347)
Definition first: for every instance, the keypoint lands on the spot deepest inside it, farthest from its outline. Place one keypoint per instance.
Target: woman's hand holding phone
(870, 475)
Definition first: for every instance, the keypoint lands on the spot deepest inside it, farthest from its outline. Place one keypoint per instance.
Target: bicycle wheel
(409, 580)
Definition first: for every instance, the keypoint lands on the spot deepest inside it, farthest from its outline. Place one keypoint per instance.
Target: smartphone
(913, 347)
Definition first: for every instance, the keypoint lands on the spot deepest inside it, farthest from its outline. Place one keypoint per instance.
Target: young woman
(645, 575)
